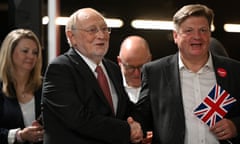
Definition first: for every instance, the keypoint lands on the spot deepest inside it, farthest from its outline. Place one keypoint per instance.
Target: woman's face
(25, 55)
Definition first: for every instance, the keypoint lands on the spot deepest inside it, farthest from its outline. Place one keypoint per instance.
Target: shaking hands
(136, 130)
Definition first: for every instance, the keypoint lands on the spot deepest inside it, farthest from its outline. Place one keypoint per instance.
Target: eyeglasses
(95, 30)
(131, 68)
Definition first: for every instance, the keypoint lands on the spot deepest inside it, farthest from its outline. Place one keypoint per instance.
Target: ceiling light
(232, 28)
(152, 24)
(111, 22)
(114, 23)
(155, 24)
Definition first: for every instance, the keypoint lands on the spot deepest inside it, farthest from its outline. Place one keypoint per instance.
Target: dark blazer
(11, 115)
(74, 108)
(161, 106)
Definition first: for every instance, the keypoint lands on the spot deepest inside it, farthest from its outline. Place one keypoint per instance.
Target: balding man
(84, 101)
(134, 52)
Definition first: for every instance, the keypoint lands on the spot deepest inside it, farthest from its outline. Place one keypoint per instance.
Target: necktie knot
(99, 70)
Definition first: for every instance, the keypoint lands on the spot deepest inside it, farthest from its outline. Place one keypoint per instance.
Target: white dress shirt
(93, 66)
(195, 87)
(133, 92)
(28, 110)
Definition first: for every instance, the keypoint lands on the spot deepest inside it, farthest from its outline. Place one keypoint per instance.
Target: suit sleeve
(63, 103)
(142, 111)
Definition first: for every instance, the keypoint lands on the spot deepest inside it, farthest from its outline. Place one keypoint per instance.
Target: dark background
(29, 14)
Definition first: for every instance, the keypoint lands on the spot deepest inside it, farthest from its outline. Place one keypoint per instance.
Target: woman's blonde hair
(7, 66)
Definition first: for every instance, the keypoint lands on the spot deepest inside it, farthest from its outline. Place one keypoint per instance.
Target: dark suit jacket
(74, 108)
(161, 103)
(11, 115)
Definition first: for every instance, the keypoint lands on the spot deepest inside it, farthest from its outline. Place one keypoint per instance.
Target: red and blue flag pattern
(214, 106)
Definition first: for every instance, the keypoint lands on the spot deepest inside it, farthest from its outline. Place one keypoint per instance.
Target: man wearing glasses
(84, 101)
(134, 52)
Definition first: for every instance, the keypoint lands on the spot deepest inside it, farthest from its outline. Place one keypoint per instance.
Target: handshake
(137, 133)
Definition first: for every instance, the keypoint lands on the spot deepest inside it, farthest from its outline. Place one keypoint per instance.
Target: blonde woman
(20, 88)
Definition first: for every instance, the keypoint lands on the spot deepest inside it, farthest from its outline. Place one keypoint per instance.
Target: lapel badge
(222, 72)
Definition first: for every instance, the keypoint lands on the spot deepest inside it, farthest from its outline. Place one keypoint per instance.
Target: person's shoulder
(227, 62)
(216, 47)
(163, 60)
(60, 59)
(111, 65)
(233, 62)
(109, 62)
(57, 59)
(226, 59)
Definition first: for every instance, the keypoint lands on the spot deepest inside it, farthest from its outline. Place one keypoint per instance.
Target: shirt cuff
(12, 135)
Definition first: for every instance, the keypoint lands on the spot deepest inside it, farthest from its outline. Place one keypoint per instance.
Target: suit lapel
(113, 78)
(111, 75)
(172, 74)
(84, 70)
(173, 79)
(173, 86)
(219, 64)
(80, 65)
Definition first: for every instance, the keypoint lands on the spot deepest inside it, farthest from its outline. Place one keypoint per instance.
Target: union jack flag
(214, 106)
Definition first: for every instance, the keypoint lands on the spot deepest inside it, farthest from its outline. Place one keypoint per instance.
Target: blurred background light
(232, 28)
(152, 24)
(111, 22)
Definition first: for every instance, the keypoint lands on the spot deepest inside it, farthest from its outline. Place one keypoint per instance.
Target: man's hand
(224, 129)
(136, 130)
(148, 139)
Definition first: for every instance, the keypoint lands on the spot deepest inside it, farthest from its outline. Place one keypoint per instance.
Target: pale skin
(95, 46)
(193, 47)
(24, 59)
(224, 129)
(193, 40)
(134, 52)
(92, 46)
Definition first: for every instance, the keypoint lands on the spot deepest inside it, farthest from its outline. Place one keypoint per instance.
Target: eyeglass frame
(131, 68)
(95, 30)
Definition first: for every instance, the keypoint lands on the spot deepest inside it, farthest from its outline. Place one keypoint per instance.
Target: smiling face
(192, 37)
(90, 35)
(25, 55)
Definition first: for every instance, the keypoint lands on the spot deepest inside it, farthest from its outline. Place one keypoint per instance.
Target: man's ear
(118, 60)
(69, 34)
(70, 38)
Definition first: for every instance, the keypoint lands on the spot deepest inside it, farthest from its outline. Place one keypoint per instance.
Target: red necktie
(102, 80)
